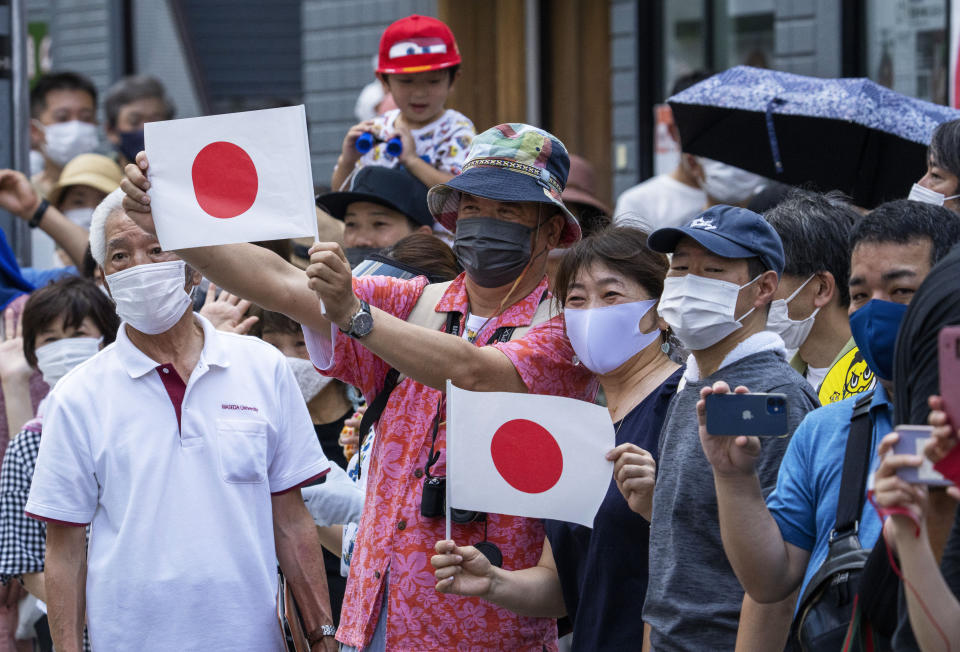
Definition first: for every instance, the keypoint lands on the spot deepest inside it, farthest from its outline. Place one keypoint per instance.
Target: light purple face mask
(605, 338)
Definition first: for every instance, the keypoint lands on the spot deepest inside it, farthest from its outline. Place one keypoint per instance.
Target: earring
(665, 347)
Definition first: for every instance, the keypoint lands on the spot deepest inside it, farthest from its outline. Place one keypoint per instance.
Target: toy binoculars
(366, 141)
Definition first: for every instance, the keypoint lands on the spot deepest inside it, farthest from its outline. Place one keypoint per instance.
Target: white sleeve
(335, 502)
(295, 452)
(64, 487)
(320, 348)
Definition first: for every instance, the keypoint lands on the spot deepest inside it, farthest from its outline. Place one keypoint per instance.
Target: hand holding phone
(751, 415)
(912, 440)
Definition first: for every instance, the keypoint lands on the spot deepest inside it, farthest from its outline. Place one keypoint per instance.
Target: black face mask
(131, 144)
(493, 252)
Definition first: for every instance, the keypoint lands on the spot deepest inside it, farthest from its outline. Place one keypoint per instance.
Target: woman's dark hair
(620, 248)
(916, 366)
(945, 147)
(74, 299)
(427, 253)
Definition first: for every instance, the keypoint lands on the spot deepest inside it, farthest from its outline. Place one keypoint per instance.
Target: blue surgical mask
(874, 328)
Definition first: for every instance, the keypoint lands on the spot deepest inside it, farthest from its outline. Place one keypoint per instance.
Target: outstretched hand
(729, 456)
(462, 570)
(13, 362)
(17, 196)
(226, 312)
(135, 185)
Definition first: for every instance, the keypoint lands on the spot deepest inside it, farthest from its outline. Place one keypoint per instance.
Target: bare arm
(938, 624)
(428, 356)
(331, 538)
(34, 583)
(65, 582)
(301, 559)
(769, 568)
(533, 592)
(19, 197)
(764, 626)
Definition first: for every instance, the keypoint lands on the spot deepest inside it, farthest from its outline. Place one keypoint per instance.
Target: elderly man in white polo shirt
(184, 448)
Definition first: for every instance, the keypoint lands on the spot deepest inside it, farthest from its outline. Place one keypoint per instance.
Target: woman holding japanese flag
(609, 286)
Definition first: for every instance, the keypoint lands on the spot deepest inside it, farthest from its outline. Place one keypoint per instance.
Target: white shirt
(815, 376)
(181, 553)
(657, 203)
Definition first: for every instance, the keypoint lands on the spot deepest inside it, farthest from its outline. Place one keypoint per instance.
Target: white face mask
(605, 338)
(308, 378)
(150, 297)
(927, 196)
(57, 358)
(80, 216)
(66, 140)
(793, 332)
(701, 311)
(727, 184)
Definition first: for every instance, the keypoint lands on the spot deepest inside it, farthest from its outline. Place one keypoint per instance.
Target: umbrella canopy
(847, 134)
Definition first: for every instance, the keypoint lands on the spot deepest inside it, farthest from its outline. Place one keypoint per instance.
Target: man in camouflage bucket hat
(494, 332)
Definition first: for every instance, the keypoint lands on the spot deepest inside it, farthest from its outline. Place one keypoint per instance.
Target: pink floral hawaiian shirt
(393, 536)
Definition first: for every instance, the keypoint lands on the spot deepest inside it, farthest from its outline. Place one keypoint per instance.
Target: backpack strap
(424, 314)
(856, 468)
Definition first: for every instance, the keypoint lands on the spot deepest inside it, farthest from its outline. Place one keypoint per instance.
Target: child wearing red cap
(418, 63)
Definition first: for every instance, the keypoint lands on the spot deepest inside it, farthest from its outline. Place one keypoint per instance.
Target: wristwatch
(361, 323)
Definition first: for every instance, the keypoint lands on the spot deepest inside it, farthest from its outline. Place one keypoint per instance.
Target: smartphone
(950, 372)
(757, 415)
(912, 441)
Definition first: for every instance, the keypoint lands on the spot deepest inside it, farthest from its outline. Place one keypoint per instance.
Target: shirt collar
(880, 400)
(137, 363)
(520, 313)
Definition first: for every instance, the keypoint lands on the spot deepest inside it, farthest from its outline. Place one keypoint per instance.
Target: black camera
(433, 503)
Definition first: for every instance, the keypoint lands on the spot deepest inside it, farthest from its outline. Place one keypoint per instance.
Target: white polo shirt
(181, 553)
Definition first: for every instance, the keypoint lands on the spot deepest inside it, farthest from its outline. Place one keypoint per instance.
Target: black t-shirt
(603, 571)
(329, 436)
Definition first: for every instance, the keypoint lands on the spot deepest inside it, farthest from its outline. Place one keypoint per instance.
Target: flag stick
(446, 501)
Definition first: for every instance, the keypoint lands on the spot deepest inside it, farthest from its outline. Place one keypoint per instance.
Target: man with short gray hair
(184, 448)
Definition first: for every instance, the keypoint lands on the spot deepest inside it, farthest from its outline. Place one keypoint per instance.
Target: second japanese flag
(238, 177)
(527, 454)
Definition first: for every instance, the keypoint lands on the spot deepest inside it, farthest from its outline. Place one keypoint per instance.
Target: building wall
(158, 51)
(84, 37)
(624, 83)
(807, 37)
(340, 38)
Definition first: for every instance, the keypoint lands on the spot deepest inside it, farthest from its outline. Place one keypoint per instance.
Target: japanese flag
(238, 177)
(527, 455)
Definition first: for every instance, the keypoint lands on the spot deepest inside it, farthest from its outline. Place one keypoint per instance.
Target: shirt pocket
(243, 450)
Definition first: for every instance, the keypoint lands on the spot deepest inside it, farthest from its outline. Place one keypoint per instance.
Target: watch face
(362, 324)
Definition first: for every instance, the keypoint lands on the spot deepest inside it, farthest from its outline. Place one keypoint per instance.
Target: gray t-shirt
(693, 597)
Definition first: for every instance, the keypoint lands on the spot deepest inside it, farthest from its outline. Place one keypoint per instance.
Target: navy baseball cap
(394, 188)
(728, 232)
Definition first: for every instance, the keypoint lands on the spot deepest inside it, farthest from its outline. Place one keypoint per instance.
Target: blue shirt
(40, 277)
(804, 502)
(603, 571)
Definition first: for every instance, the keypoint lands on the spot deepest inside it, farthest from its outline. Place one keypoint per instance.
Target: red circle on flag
(224, 180)
(527, 456)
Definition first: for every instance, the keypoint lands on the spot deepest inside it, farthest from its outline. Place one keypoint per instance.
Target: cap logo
(426, 45)
(705, 223)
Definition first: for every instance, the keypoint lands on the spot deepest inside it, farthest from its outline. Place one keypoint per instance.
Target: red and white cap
(417, 44)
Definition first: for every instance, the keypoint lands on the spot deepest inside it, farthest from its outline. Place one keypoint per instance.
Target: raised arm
(65, 579)
(427, 356)
(246, 270)
(769, 568)
(19, 197)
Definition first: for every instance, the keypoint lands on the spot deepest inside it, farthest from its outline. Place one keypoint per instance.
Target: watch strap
(38, 214)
